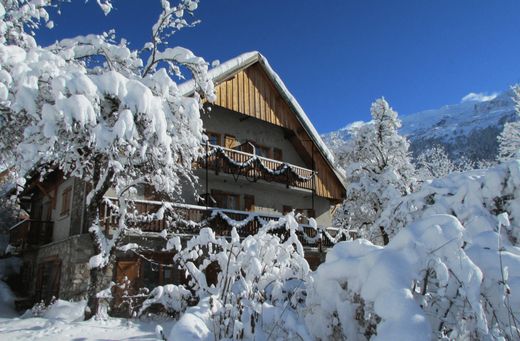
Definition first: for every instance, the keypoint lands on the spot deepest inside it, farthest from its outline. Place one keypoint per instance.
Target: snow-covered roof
(232, 66)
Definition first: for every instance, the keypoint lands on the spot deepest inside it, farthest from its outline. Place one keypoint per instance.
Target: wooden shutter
(230, 141)
(65, 201)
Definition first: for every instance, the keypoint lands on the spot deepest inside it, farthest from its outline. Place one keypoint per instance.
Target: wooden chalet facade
(263, 158)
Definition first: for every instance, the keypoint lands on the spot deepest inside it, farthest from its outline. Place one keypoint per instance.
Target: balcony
(187, 220)
(254, 167)
(30, 232)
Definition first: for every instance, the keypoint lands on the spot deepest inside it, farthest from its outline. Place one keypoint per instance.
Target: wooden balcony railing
(187, 219)
(31, 232)
(254, 167)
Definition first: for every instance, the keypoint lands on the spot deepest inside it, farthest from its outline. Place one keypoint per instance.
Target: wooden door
(127, 275)
(48, 280)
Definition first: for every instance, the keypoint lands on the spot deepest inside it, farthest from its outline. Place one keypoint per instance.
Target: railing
(253, 167)
(31, 232)
(187, 219)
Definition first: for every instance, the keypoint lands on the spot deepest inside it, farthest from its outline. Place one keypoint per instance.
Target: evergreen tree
(509, 139)
(378, 169)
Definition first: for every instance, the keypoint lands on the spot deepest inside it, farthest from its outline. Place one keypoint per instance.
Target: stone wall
(74, 253)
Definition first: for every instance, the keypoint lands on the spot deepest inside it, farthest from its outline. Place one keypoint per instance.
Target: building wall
(224, 121)
(270, 197)
(74, 253)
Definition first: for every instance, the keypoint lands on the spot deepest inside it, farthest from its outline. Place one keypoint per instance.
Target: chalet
(263, 158)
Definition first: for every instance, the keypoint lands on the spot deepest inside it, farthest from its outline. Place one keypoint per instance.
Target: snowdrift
(451, 269)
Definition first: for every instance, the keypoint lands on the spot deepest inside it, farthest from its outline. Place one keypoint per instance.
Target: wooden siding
(252, 93)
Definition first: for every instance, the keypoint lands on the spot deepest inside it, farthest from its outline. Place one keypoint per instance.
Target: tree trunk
(92, 212)
(96, 279)
(386, 240)
(96, 274)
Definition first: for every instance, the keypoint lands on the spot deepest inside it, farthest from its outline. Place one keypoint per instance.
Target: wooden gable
(251, 92)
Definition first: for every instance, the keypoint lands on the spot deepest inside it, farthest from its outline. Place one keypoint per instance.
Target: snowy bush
(474, 197)
(173, 298)
(451, 268)
(422, 285)
(258, 277)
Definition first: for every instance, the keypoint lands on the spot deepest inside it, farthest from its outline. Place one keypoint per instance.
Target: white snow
(193, 325)
(57, 329)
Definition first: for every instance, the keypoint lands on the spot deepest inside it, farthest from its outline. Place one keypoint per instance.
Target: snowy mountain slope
(469, 128)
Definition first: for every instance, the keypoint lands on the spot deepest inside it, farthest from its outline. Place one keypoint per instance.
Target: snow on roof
(241, 62)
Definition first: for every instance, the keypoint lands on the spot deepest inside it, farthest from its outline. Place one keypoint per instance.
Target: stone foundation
(74, 254)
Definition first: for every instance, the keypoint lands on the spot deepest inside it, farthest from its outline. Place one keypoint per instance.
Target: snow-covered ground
(63, 321)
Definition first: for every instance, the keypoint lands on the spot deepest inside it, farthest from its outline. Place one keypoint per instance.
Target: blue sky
(336, 57)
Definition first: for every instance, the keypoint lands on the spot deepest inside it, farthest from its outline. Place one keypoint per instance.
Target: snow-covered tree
(509, 139)
(97, 110)
(435, 163)
(378, 169)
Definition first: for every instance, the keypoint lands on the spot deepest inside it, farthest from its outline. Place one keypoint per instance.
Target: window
(160, 272)
(249, 202)
(277, 154)
(306, 212)
(262, 151)
(213, 138)
(150, 274)
(65, 201)
(226, 200)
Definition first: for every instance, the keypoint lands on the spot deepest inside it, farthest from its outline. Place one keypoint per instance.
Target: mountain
(469, 128)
